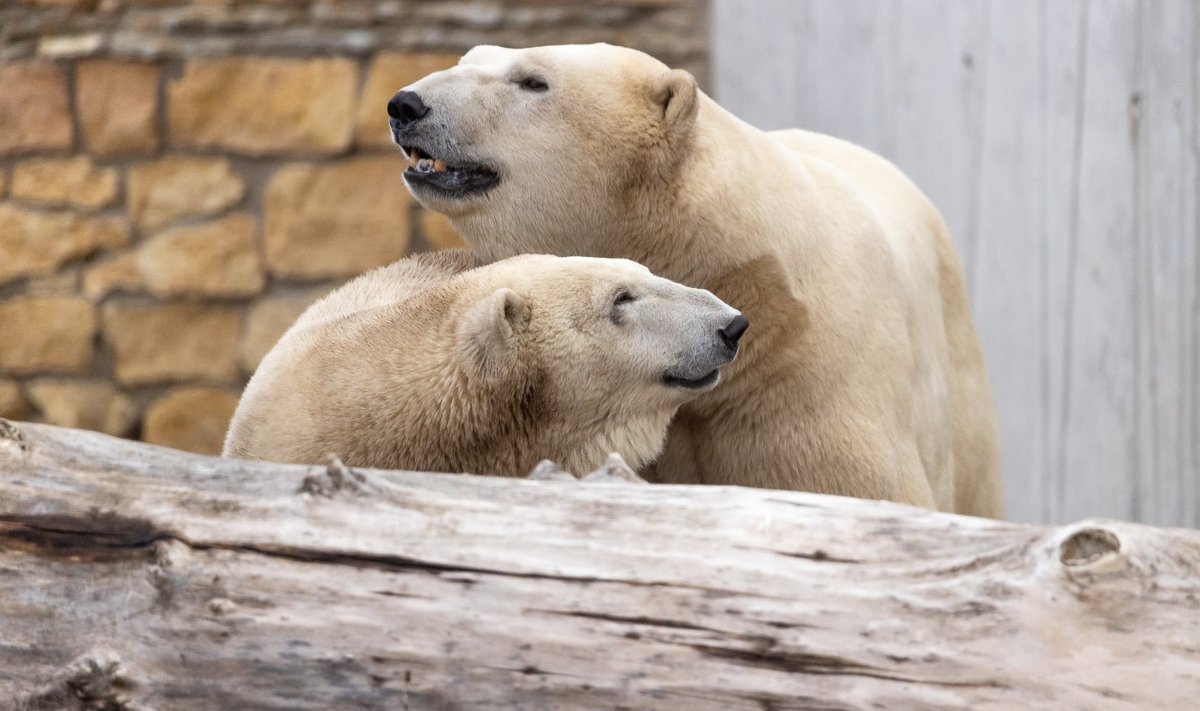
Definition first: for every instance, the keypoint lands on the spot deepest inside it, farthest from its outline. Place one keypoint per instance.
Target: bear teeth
(429, 165)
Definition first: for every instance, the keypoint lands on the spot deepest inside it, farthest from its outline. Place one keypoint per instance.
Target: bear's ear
(676, 92)
(490, 327)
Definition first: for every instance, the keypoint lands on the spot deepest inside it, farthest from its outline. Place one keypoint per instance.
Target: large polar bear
(435, 365)
(862, 376)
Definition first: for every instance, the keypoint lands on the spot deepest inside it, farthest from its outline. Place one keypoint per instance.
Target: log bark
(137, 577)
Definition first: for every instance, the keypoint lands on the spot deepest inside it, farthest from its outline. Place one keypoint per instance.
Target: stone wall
(178, 180)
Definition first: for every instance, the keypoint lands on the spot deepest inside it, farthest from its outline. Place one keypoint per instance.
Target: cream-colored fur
(862, 375)
(438, 364)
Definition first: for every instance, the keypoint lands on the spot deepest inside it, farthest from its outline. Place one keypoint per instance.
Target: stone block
(12, 403)
(46, 334)
(117, 104)
(33, 108)
(35, 242)
(388, 74)
(72, 4)
(61, 283)
(73, 181)
(121, 273)
(154, 343)
(162, 191)
(267, 321)
(336, 219)
(90, 405)
(72, 46)
(260, 105)
(193, 419)
(217, 258)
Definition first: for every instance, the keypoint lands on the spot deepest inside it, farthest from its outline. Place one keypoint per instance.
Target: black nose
(406, 107)
(732, 333)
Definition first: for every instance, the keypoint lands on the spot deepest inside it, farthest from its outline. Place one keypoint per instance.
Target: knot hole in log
(1087, 545)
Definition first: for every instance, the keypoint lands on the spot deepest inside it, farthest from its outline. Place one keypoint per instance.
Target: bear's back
(315, 383)
(389, 284)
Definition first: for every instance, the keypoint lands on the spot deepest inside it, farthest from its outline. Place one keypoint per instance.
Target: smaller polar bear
(439, 363)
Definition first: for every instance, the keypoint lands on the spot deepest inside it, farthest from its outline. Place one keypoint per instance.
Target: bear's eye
(616, 313)
(624, 296)
(533, 84)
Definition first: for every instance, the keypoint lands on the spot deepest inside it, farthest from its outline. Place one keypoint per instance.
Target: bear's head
(603, 350)
(539, 149)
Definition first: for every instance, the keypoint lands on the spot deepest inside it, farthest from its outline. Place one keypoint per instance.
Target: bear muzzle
(702, 371)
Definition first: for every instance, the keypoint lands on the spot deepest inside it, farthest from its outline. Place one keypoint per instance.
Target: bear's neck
(583, 448)
(710, 217)
(512, 427)
(505, 426)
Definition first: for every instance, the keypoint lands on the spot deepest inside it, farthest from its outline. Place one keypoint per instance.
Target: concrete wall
(1059, 138)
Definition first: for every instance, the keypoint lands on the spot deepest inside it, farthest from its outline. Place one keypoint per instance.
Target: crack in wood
(403, 563)
(532, 670)
(630, 620)
(825, 665)
(100, 536)
(103, 534)
(795, 703)
(818, 556)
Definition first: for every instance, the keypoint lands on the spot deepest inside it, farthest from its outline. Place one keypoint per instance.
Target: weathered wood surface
(136, 577)
(1061, 141)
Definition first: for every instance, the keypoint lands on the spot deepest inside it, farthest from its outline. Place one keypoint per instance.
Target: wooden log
(137, 577)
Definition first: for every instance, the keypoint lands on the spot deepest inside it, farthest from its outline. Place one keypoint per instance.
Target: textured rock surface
(117, 105)
(120, 273)
(166, 190)
(193, 419)
(63, 283)
(257, 105)
(35, 242)
(334, 220)
(12, 403)
(217, 258)
(33, 108)
(68, 181)
(46, 334)
(155, 343)
(92, 404)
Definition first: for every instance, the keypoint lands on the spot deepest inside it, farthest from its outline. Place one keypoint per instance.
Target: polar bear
(437, 364)
(863, 375)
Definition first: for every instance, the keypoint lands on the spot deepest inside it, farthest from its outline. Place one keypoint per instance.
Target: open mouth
(701, 383)
(425, 171)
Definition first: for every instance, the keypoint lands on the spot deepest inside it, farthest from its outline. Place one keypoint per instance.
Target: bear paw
(335, 478)
(547, 470)
(615, 470)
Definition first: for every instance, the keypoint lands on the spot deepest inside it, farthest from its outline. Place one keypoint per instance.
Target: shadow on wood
(137, 577)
